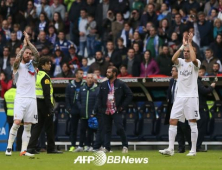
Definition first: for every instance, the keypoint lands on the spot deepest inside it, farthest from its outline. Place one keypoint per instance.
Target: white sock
(26, 136)
(172, 135)
(194, 135)
(12, 135)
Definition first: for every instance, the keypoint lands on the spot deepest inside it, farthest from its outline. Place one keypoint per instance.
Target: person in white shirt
(186, 104)
(25, 105)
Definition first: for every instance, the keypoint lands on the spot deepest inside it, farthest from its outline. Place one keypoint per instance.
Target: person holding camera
(44, 95)
(134, 20)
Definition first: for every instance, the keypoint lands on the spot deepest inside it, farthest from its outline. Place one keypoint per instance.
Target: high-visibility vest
(38, 86)
(9, 99)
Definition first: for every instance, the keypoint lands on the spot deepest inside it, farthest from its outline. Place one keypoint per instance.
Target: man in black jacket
(203, 109)
(114, 96)
(72, 92)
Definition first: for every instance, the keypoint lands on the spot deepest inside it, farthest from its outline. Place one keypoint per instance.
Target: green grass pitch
(211, 160)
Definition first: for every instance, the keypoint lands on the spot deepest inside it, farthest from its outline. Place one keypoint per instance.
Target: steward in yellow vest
(45, 104)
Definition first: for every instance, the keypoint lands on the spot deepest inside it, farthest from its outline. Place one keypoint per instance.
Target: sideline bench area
(135, 144)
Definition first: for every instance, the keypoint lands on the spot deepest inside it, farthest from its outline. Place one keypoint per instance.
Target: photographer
(134, 20)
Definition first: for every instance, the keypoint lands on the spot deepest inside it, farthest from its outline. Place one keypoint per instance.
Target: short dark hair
(217, 64)
(114, 69)
(77, 70)
(43, 61)
(174, 66)
(123, 66)
(202, 67)
(209, 49)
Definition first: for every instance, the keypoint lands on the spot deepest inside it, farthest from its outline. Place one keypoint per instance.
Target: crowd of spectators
(137, 36)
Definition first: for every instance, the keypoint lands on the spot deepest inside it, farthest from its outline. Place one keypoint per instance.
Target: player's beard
(110, 77)
(26, 60)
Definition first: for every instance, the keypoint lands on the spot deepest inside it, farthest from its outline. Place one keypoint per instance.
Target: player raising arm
(25, 106)
(186, 104)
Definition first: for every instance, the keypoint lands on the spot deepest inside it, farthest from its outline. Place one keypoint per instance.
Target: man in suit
(183, 129)
(4, 60)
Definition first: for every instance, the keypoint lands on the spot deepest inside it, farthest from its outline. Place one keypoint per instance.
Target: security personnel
(45, 104)
(9, 110)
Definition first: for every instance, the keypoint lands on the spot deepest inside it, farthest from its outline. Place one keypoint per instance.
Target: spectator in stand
(122, 50)
(16, 29)
(58, 22)
(174, 43)
(45, 51)
(123, 72)
(2, 43)
(9, 69)
(51, 34)
(90, 7)
(138, 5)
(127, 35)
(217, 27)
(8, 7)
(192, 4)
(148, 65)
(74, 59)
(82, 32)
(10, 22)
(178, 27)
(220, 9)
(63, 43)
(137, 39)
(30, 13)
(163, 12)
(132, 64)
(216, 69)
(44, 7)
(91, 35)
(164, 61)
(149, 16)
(209, 61)
(209, 6)
(85, 66)
(112, 56)
(13, 43)
(42, 24)
(163, 30)
(117, 26)
(6, 29)
(205, 29)
(216, 47)
(138, 54)
(4, 60)
(100, 64)
(134, 20)
(202, 70)
(43, 41)
(97, 72)
(121, 6)
(58, 7)
(66, 72)
(178, 4)
(5, 83)
(153, 43)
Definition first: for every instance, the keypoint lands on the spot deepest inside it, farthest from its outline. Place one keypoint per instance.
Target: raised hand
(185, 40)
(26, 36)
(190, 37)
(25, 42)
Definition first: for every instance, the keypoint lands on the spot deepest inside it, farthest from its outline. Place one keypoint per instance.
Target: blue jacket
(87, 100)
(72, 96)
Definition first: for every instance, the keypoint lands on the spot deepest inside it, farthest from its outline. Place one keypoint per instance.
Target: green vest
(9, 99)
(38, 86)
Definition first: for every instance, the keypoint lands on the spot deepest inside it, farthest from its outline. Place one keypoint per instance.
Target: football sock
(26, 136)
(12, 135)
(172, 135)
(194, 135)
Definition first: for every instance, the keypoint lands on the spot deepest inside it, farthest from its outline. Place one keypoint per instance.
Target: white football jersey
(187, 78)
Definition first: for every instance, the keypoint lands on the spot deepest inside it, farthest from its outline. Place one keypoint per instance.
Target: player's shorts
(26, 109)
(185, 107)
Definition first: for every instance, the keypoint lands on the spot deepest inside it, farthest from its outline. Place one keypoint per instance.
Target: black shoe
(54, 152)
(181, 150)
(201, 150)
(32, 151)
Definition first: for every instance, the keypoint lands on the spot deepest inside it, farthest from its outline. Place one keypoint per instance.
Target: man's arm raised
(33, 49)
(177, 54)
(19, 57)
(192, 53)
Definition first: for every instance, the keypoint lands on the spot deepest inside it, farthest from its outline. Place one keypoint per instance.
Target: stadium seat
(148, 127)
(163, 129)
(216, 111)
(131, 122)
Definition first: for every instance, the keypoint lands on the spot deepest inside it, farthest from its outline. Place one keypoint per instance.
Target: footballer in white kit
(186, 104)
(25, 105)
